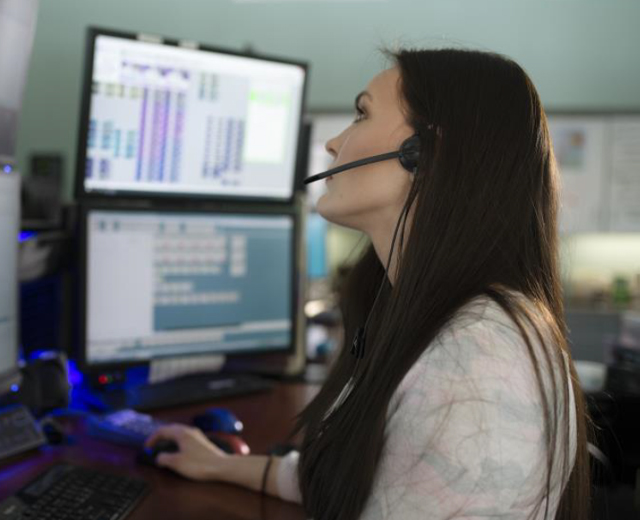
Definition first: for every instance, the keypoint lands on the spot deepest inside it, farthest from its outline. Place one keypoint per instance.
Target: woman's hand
(197, 457)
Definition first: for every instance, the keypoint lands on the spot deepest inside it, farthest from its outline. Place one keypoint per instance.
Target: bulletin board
(580, 145)
(624, 201)
(598, 158)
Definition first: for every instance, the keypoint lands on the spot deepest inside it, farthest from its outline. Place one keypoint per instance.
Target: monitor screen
(163, 119)
(317, 228)
(9, 228)
(172, 283)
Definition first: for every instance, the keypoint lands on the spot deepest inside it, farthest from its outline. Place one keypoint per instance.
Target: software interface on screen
(174, 120)
(163, 284)
(9, 226)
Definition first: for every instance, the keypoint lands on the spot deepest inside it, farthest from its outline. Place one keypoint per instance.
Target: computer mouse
(218, 420)
(231, 444)
(148, 455)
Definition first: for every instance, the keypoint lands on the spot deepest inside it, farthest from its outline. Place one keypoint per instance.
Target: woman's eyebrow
(362, 94)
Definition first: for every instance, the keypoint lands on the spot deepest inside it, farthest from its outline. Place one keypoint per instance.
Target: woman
(464, 402)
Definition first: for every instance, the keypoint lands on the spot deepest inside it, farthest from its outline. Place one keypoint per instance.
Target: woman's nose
(331, 147)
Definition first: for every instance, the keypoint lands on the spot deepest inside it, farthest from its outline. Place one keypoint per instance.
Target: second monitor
(168, 283)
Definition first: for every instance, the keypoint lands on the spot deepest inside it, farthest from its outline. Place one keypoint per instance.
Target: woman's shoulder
(482, 345)
(483, 312)
(482, 327)
(467, 428)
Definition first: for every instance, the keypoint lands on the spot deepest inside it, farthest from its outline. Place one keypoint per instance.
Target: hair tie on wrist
(265, 473)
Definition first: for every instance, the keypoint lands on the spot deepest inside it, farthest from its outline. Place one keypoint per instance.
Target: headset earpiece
(410, 153)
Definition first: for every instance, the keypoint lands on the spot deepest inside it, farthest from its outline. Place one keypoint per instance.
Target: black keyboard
(66, 492)
(185, 390)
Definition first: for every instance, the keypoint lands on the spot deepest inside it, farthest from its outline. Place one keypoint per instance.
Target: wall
(591, 263)
(578, 53)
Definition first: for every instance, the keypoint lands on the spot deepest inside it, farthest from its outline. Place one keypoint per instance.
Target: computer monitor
(9, 229)
(162, 283)
(164, 118)
(317, 228)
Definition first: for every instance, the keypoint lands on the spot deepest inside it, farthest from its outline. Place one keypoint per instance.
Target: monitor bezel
(85, 209)
(81, 194)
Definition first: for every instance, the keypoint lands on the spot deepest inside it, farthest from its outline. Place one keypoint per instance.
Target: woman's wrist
(247, 471)
(222, 468)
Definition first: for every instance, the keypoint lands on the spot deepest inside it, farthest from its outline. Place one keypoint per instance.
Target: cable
(357, 347)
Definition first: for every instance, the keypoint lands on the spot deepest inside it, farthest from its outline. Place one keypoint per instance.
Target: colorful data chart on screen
(178, 121)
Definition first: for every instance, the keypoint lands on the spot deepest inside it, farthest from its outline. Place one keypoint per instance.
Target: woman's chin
(327, 210)
(336, 214)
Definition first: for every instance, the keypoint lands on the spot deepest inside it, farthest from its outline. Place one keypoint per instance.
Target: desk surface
(268, 418)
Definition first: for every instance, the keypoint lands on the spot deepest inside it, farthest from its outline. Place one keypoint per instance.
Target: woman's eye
(359, 115)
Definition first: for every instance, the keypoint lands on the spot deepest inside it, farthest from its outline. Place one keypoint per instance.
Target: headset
(357, 345)
(407, 154)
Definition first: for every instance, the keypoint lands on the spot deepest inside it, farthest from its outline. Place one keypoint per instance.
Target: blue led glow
(26, 235)
(7, 168)
(14, 388)
(75, 376)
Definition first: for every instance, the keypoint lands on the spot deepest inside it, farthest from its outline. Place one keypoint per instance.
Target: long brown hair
(485, 198)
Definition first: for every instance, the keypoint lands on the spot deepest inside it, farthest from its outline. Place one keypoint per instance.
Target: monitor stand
(164, 369)
(183, 390)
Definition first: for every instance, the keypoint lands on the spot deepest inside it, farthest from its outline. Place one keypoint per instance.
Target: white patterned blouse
(466, 440)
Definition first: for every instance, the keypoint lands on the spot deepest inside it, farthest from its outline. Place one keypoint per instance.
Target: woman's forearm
(247, 471)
